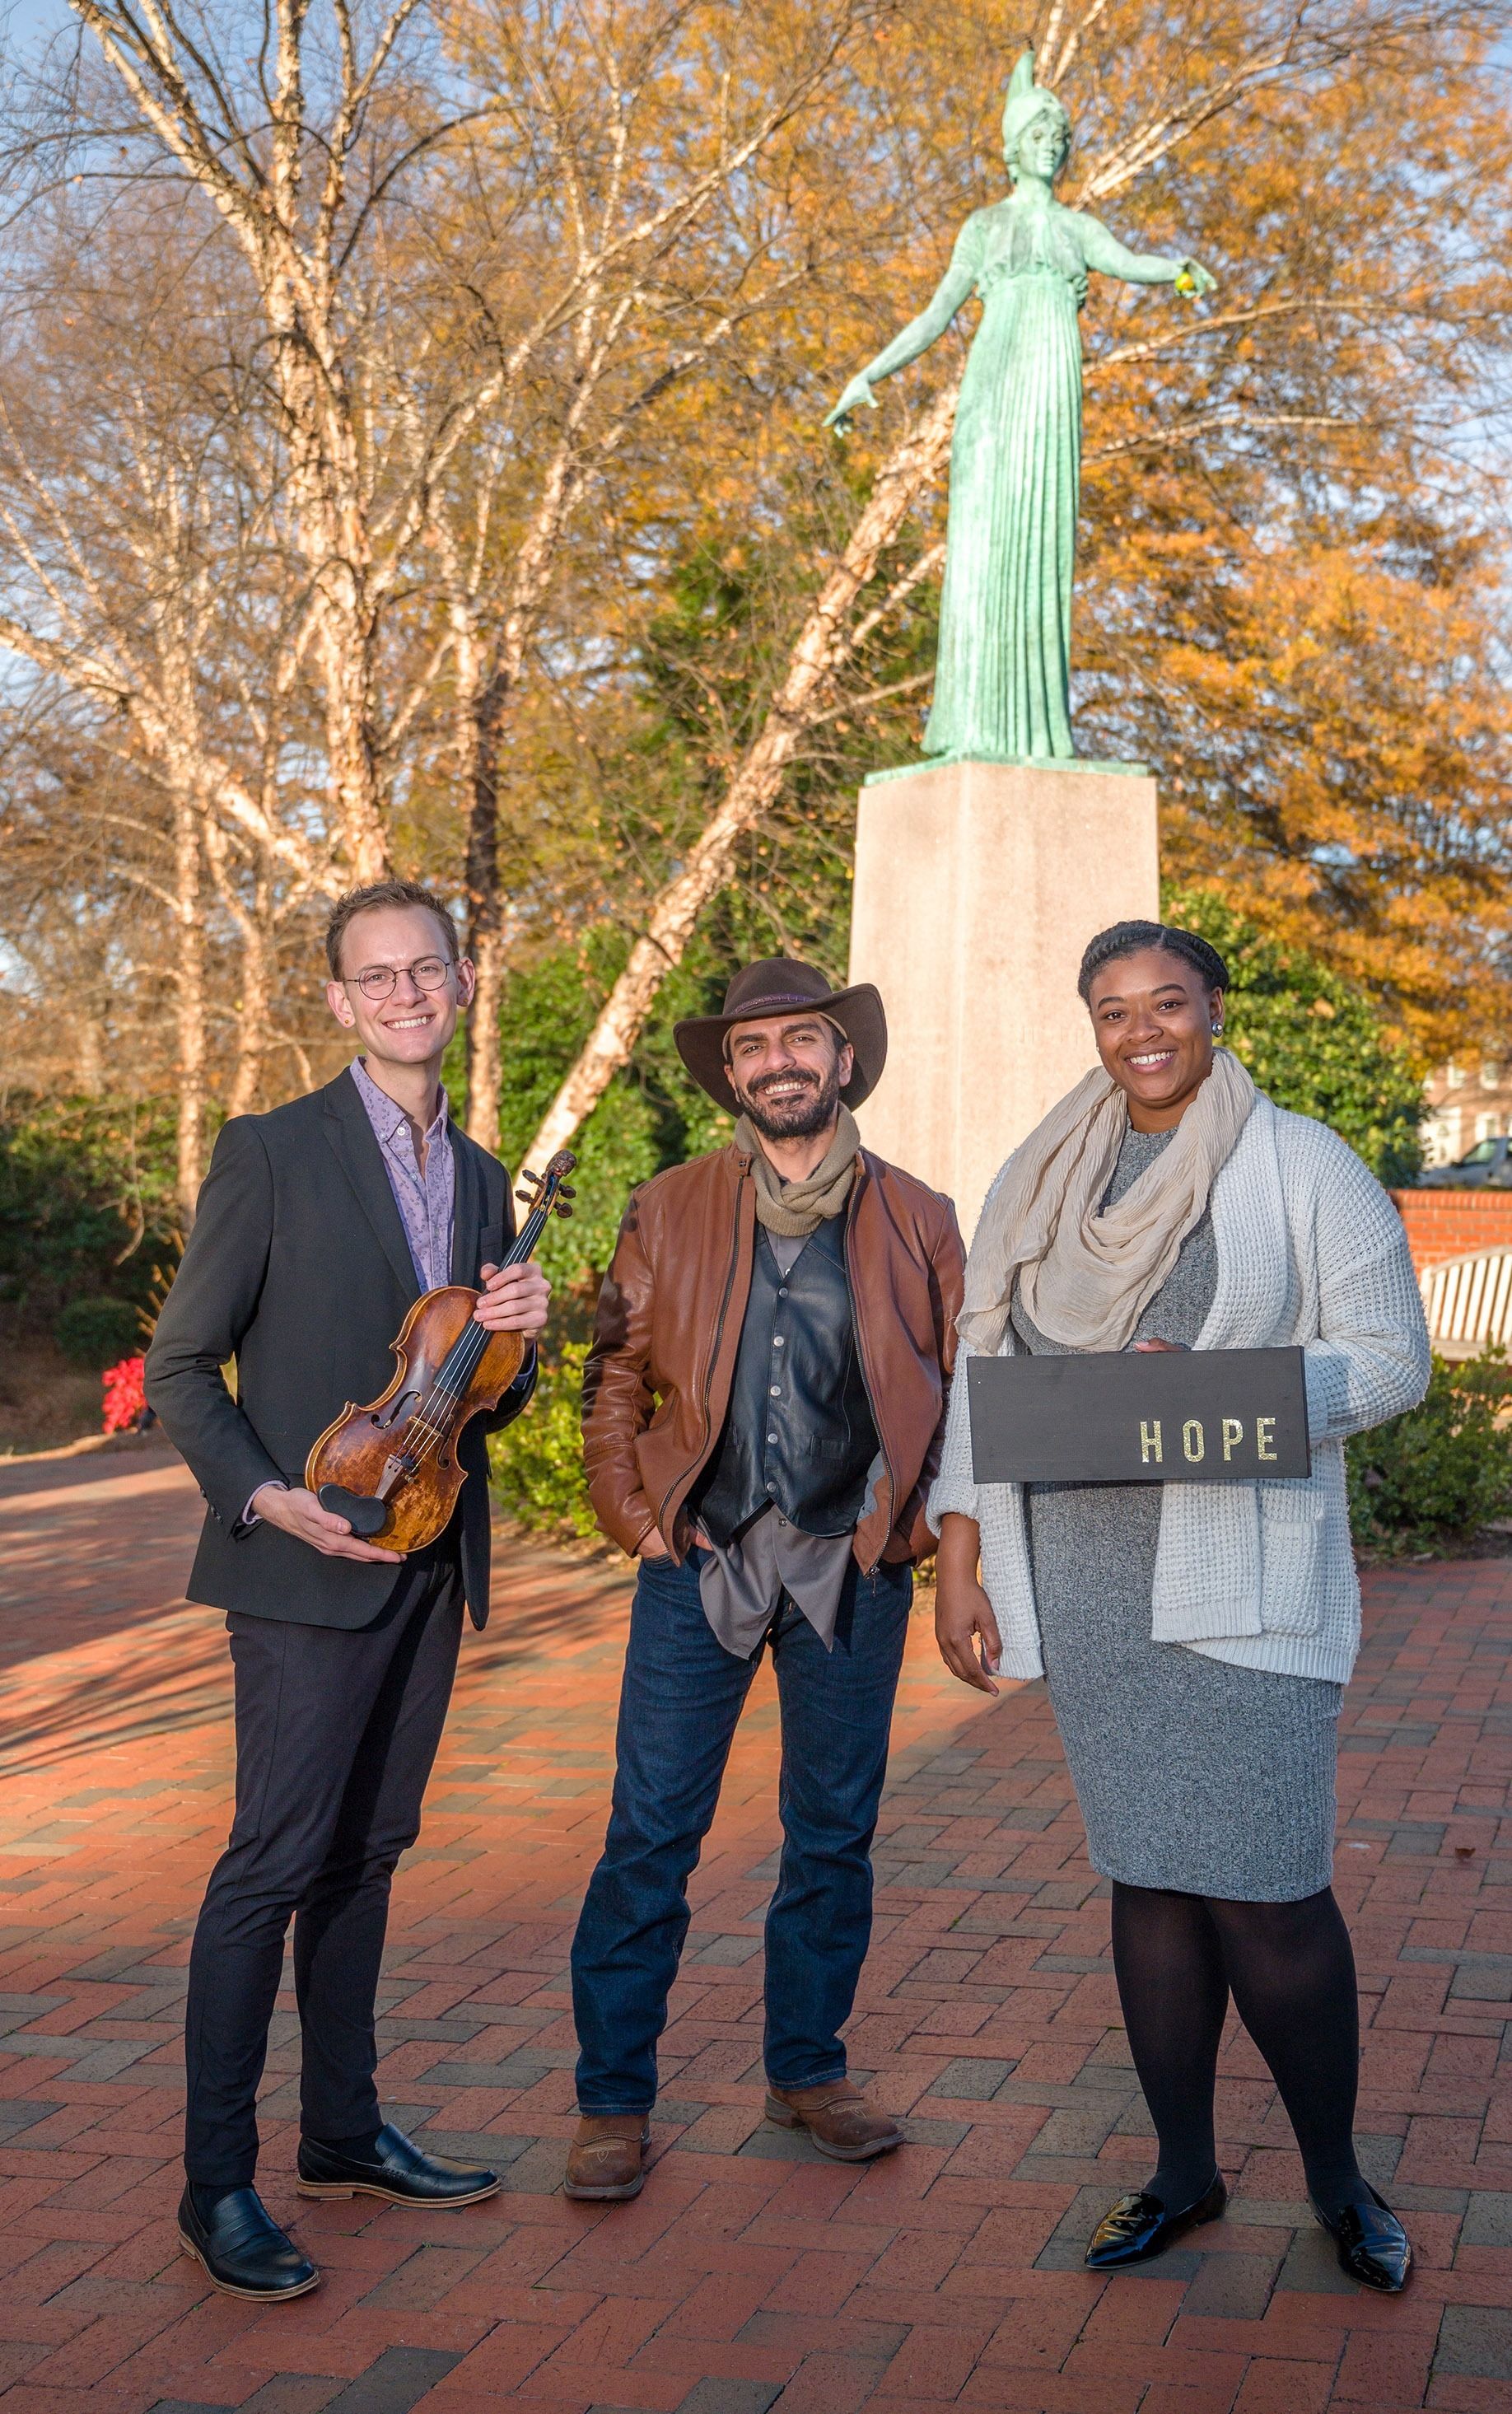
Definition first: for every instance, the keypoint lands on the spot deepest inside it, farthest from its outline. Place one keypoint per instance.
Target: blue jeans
(679, 1705)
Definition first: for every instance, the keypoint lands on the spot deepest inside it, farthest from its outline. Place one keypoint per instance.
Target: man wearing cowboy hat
(762, 1412)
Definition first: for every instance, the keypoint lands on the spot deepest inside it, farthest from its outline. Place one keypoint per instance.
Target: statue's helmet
(1026, 98)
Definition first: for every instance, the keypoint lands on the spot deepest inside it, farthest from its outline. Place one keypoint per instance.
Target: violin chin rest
(363, 1514)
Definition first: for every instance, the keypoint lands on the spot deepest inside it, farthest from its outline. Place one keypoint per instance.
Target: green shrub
(1311, 1040)
(1438, 1474)
(87, 1201)
(97, 1332)
(535, 1464)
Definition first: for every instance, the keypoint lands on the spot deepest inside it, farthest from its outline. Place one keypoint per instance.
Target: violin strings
(463, 1360)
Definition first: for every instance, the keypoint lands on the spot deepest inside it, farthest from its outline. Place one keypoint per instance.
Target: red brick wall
(1453, 1223)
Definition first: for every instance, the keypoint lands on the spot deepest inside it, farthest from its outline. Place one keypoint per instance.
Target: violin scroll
(547, 1192)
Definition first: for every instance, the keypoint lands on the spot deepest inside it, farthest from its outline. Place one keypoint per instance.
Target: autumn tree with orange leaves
(1291, 543)
(411, 454)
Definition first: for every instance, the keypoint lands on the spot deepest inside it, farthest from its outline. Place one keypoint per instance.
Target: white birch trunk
(252, 1014)
(485, 689)
(190, 937)
(824, 646)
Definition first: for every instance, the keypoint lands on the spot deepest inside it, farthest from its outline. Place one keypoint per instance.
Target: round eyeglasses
(379, 980)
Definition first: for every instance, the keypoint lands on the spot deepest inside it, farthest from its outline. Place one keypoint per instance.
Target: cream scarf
(1085, 1278)
(795, 1208)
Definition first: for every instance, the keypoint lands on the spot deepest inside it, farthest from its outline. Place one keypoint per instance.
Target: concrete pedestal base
(977, 886)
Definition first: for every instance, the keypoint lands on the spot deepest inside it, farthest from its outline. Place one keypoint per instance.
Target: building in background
(1460, 1236)
(1467, 1101)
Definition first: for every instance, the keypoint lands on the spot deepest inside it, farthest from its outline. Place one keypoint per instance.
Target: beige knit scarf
(795, 1208)
(1085, 1278)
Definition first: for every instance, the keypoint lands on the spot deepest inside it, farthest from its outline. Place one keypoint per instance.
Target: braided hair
(1123, 939)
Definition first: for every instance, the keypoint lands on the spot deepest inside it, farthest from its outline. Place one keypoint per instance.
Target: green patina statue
(1003, 678)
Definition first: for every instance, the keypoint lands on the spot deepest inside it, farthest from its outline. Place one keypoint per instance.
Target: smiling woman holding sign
(1195, 1636)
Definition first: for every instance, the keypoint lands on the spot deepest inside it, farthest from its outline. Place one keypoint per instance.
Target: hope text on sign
(1198, 1416)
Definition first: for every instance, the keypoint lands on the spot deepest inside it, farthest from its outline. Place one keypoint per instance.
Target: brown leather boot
(838, 2117)
(606, 2160)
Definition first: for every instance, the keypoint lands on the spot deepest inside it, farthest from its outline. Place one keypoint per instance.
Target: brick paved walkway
(750, 2274)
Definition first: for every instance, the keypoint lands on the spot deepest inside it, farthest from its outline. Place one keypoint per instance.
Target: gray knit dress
(1192, 1773)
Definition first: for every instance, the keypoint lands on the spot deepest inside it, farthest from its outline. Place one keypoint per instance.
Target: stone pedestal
(977, 886)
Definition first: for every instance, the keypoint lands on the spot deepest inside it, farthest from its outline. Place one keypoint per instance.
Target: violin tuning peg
(525, 1175)
(565, 1190)
(562, 1208)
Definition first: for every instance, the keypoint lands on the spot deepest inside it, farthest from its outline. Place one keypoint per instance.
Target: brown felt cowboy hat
(780, 985)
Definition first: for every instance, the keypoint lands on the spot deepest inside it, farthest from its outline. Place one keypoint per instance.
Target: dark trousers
(679, 1706)
(335, 1733)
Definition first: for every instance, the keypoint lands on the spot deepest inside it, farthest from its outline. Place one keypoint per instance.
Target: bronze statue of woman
(1003, 678)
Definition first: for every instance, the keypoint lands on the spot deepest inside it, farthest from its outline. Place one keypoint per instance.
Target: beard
(796, 1118)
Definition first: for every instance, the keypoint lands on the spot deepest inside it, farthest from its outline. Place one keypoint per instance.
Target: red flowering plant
(125, 1395)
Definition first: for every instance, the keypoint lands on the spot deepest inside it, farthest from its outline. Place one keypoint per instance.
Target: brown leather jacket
(659, 1374)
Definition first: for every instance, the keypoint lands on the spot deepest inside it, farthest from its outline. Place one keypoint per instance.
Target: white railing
(1468, 1303)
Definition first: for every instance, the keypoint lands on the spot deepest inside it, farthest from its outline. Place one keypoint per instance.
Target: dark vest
(799, 1432)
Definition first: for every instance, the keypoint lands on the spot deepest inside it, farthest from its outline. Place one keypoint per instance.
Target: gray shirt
(742, 1582)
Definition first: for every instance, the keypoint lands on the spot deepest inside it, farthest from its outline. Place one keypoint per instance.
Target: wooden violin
(391, 1469)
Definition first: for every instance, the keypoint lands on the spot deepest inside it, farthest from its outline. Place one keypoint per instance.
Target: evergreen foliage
(537, 1461)
(1313, 1040)
(87, 1202)
(97, 1331)
(1432, 1478)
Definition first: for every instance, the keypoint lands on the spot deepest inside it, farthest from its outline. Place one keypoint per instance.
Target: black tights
(1292, 1971)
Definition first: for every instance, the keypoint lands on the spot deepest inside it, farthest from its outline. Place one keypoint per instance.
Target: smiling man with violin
(318, 1228)
(762, 1415)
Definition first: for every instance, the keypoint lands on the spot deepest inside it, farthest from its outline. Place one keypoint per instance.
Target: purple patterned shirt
(425, 1200)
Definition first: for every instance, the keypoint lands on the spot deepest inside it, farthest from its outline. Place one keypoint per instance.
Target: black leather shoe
(1373, 2247)
(243, 2249)
(395, 2169)
(1138, 2226)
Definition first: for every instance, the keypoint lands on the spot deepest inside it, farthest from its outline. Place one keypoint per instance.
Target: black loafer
(1373, 2247)
(395, 2169)
(1138, 2226)
(242, 2248)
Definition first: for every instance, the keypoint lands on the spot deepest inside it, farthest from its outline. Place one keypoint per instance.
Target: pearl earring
(1218, 1031)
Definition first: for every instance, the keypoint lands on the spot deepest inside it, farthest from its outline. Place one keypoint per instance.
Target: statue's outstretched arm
(954, 289)
(1110, 258)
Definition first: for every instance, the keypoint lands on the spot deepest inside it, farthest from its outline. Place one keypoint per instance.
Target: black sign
(1160, 1416)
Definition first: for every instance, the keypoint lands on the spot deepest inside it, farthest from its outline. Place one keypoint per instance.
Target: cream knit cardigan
(1312, 1251)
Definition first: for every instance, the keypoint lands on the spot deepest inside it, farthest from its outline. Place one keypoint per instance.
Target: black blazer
(298, 1267)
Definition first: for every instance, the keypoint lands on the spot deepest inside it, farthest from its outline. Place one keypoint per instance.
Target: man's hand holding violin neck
(513, 1299)
(297, 1511)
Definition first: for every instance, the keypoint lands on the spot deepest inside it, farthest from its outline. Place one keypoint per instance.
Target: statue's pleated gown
(1002, 684)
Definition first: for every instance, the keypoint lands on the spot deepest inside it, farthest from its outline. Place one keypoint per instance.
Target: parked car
(1486, 1165)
